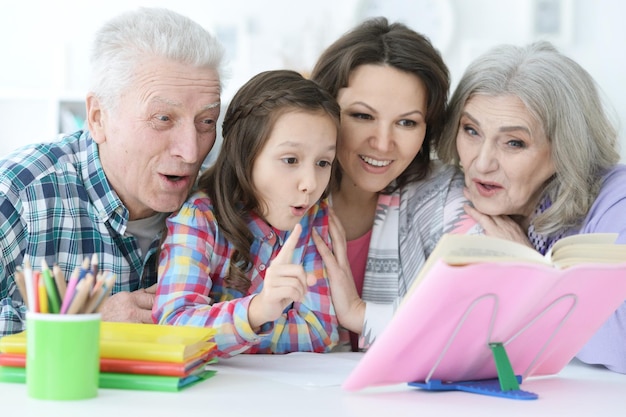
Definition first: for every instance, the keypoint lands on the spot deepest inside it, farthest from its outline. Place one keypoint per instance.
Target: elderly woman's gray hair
(566, 101)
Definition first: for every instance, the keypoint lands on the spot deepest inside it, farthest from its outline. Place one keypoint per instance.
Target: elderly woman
(539, 153)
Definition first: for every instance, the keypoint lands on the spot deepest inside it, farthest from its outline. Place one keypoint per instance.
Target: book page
(599, 252)
(587, 248)
(467, 249)
(587, 238)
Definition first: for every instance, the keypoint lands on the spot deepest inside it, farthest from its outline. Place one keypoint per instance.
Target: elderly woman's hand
(499, 226)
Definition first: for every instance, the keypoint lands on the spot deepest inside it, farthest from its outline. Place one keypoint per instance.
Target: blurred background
(44, 44)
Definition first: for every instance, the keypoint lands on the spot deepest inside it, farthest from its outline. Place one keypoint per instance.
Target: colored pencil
(30, 286)
(42, 292)
(83, 288)
(54, 300)
(59, 278)
(94, 265)
(110, 282)
(70, 292)
(20, 281)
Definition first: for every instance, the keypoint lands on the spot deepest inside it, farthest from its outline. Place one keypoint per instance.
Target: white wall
(44, 44)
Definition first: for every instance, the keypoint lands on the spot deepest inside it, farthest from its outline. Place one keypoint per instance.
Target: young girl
(229, 260)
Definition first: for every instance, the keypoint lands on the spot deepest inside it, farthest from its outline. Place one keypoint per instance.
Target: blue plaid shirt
(56, 204)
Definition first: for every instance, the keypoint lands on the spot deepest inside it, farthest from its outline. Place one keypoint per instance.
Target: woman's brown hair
(378, 42)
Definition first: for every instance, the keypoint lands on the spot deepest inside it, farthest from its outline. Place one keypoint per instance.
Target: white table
(305, 385)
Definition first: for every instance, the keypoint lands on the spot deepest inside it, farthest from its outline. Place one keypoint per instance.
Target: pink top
(357, 256)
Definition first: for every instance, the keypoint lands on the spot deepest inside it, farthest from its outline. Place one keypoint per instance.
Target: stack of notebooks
(133, 356)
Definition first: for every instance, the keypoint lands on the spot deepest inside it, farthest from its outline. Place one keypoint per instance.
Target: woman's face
(505, 154)
(383, 113)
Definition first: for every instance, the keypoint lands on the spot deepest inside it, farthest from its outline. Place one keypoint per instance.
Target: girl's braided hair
(247, 125)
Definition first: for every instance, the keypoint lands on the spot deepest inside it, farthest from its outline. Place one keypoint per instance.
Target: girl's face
(383, 113)
(505, 154)
(292, 170)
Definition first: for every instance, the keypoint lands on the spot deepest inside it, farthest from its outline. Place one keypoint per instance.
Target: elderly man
(151, 120)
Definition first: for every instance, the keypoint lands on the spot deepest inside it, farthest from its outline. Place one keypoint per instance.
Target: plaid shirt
(194, 259)
(56, 204)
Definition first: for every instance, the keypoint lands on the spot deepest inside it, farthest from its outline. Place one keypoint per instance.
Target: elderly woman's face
(505, 155)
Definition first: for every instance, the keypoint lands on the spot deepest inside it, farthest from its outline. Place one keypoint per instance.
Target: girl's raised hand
(284, 283)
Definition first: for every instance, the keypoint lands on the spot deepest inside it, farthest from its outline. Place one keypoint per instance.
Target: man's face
(153, 144)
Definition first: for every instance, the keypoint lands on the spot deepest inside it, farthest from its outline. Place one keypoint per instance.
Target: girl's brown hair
(247, 126)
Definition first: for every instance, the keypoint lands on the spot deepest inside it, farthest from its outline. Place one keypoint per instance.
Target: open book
(477, 291)
(460, 250)
(571, 250)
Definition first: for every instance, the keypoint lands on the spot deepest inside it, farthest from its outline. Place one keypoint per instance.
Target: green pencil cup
(62, 356)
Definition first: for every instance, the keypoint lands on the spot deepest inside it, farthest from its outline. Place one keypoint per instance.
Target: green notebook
(123, 381)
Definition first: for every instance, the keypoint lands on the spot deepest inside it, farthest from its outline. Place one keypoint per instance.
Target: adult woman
(390, 202)
(539, 154)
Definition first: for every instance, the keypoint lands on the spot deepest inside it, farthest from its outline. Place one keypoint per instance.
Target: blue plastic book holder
(506, 385)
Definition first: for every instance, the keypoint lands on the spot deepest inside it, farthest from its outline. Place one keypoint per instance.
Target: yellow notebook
(138, 341)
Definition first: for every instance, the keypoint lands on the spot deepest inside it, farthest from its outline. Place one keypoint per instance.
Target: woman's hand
(349, 307)
(503, 227)
(284, 283)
